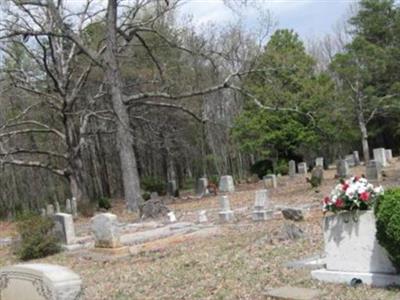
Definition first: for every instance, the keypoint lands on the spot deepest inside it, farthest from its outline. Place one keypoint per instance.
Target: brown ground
(239, 263)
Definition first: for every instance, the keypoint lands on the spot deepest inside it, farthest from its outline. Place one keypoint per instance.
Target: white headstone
(201, 187)
(106, 231)
(226, 214)
(342, 168)
(380, 156)
(203, 216)
(43, 212)
(270, 181)
(260, 213)
(350, 160)
(292, 168)
(64, 228)
(39, 282)
(302, 168)
(373, 170)
(226, 184)
(389, 155)
(319, 162)
(50, 209)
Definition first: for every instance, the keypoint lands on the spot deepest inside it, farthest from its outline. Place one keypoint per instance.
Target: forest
(110, 101)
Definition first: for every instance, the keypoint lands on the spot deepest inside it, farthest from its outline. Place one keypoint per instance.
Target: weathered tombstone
(64, 228)
(226, 184)
(171, 216)
(373, 170)
(260, 212)
(74, 207)
(154, 195)
(50, 209)
(106, 231)
(302, 167)
(380, 156)
(319, 162)
(172, 188)
(293, 214)
(389, 155)
(292, 168)
(203, 216)
(342, 168)
(68, 208)
(201, 187)
(226, 214)
(317, 176)
(57, 206)
(270, 181)
(43, 212)
(350, 160)
(356, 158)
(39, 282)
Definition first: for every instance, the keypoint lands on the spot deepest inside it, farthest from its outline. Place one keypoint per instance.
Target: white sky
(309, 18)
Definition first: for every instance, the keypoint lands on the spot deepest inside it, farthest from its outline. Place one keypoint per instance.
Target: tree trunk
(127, 157)
(364, 136)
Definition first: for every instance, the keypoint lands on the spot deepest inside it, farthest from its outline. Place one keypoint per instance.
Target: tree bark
(364, 136)
(127, 157)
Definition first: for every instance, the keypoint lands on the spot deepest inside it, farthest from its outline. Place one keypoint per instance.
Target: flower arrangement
(354, 193)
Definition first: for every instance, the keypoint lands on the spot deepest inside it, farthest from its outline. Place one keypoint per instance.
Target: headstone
(39, 282)
(292, 168)
(317, 176)
(226, 184)
(350, 160)
(356, 158)
(50, 209)
(172, 188)
(226, 214)
(153, 208)
(201, 187)
(260, 213)
(64, 228)
(319, 162)
(373, 170)
(342, 168)
(74, 207)
(154, 195)
(389, 155)
(106, 231)
(43, 212)
(380, 156)
(171, 216)
(294, 214)
(302, 167)
(68, 208)
(203, 216)
(57, 206)
(270, 181)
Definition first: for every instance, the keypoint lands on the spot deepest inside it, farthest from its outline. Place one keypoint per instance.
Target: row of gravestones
(71, 207)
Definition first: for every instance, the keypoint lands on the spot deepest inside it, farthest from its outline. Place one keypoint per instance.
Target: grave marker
(226, 214)
(226, 184)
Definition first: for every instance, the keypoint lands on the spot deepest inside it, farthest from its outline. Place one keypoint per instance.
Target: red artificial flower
(345, 186)
(356, 178)
(364, 196)
(327, 200)
(339, 203)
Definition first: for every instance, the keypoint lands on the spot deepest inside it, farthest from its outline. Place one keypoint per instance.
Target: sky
(309, 18)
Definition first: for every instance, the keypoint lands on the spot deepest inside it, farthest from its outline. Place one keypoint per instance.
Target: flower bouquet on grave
(352, 194)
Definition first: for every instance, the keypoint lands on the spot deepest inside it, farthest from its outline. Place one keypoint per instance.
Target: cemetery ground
(237, 260)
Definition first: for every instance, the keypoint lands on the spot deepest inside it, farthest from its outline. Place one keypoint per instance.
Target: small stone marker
(294, 214)
(226, 184)
(389, 155)
(203, 216)
(43, 212)
(356, 158)
(154, 195)
(64, 228)
(171, 216)
(292, 168)
(57, 206)
(350, 160)
(260, 213)
(270, 181)
(380, 156)
(50, 209)
(317, 176)
(342, 168)
(172, 188)
(201, 187)
(68, 208)
(39, 282)
(226, 214)
(106, 231)
(373, 170)
(319, 162)
(74, 207)
(293, 293)
(302, 167)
